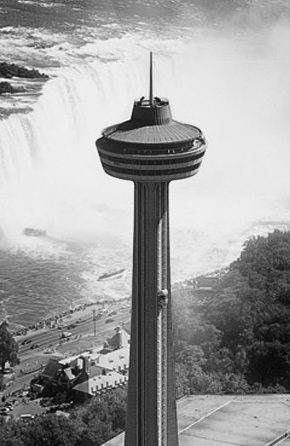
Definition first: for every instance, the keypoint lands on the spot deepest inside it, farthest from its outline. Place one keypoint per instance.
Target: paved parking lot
(216, 420)
(243, 422)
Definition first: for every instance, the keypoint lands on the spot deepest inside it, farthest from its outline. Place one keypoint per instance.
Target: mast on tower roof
(151, 82)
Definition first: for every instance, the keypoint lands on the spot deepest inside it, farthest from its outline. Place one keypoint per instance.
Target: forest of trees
(234, 340)
(8, 348)
(8, 71)
(91, 424)
(238, 339)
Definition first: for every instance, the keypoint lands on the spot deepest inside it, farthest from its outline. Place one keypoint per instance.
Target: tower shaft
(151, 409)
(151, 149)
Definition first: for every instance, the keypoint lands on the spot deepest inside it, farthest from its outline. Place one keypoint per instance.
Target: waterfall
(50, 174)
(48, 156)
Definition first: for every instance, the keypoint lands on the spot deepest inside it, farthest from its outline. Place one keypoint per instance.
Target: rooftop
(219, 420)
(151, 124)
(120, 339)
(51, 368)
(115, 360)
(101, 382)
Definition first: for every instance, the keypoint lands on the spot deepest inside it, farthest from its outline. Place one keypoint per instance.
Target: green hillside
(234, 336)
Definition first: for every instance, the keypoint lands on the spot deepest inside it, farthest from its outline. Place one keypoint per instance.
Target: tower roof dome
(151, 146)
(151, 123)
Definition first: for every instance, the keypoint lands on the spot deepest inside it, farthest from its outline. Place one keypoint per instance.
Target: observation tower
(151, 149)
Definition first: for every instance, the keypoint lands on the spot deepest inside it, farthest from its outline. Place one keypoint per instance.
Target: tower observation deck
(151, 149)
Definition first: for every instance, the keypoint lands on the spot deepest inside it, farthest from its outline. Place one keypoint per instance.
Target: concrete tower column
(151, 149)
(151, 412)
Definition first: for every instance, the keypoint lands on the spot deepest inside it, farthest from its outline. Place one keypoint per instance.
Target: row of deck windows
(131, 172)
(143, 149)
(157, 162)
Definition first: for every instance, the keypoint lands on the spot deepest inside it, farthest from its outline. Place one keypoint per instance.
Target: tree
(242, 330)
(8, 347)
(11, 432)
(96, 433)
(49, 430)
(101, 418)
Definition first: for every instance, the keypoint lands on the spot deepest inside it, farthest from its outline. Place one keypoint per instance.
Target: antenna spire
(151, 81)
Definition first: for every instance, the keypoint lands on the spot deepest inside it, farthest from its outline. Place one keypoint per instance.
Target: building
(99, 384)
(151, 149)
(60, 376)
(120, 339)
(90, 373)
(117, 360)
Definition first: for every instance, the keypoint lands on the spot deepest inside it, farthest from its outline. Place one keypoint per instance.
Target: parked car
(8, 404)
(26, 417)
(112, 313)
(66, 334)
(70, 326)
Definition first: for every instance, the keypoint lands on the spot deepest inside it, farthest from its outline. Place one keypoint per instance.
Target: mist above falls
(232, 82)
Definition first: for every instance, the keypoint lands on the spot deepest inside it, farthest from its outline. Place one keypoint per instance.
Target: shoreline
(87, 309)
(76, 312)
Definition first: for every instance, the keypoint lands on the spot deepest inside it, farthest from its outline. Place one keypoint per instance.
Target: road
(86, 326)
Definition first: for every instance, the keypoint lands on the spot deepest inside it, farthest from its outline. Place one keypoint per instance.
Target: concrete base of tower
(214, 420)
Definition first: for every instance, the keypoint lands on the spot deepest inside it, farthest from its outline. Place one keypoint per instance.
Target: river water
(225, 67)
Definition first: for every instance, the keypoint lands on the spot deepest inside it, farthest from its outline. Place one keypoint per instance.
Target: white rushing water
(236, 91)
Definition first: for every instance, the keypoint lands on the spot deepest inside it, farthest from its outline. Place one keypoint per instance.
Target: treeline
(8, 71)
(238, 339)
(6, 87)
(89, 425)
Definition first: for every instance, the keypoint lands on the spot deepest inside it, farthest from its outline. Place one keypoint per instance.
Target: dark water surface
(34, 288)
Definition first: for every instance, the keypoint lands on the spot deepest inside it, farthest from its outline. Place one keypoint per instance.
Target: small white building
(100, 383)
